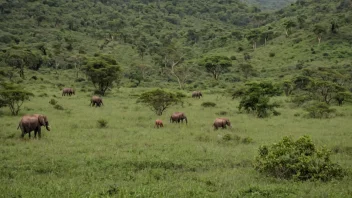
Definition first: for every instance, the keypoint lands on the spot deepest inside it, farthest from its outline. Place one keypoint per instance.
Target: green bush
(271, 54)
(299, 100)
(53, 101)
(208, 104)
(319, 110)
(102, 123)
(58, 107)
(298, 160)
(43, 95)
(80, 80)
(247, 140)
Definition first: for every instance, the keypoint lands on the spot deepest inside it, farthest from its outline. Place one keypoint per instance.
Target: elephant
(158, 123)
(178, 117)
(197, 94)
(97, 101)
(221, 122)
(34, 123)
(68, 91)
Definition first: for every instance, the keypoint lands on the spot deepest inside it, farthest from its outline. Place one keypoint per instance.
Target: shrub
(60, 85)
(222, 113)
(319, 110)
(80, 80)
(13, 96)
(233, 58)
(43, 95)
(298, 160)
(271, 54)
(227, 137)
(53, 101)
(58, 107)
(34, 77)
(208, 104)
(180, 95)
(102, 123)
(247, 140)
(159, 100)
(300, 99)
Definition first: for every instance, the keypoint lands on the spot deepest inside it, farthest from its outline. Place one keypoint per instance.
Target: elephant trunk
(47, 126)
(186, 119)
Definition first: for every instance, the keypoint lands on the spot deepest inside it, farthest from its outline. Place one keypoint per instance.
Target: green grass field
(131, 158)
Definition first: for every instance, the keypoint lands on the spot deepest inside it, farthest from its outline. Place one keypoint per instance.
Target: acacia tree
(20, 59)
(159, 100)
(253, 37)
(319, 30)
(216, 65)
(13, 96)
(289, 24)
(301, 19)
(266, 35)
(247, 70)
(172, 58)
(288, 87)
(77, 61)
(103, 71)
(255, 98)
(341, 97)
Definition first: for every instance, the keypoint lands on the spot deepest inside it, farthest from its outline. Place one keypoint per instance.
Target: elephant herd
(29, 123)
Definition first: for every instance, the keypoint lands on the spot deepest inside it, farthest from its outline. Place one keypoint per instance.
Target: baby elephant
(158, 123)
(197, 94)
(34, 123)
(221, 122)
(68, 91)
(97, 101)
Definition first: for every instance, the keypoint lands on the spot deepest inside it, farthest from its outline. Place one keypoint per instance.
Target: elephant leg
(35, 133)
(29, 135)
(39, 132)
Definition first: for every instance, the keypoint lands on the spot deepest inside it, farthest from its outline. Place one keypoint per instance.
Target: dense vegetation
(270, 4)
(287, 70)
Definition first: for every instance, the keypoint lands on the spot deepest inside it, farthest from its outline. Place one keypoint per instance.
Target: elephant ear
(41, 120)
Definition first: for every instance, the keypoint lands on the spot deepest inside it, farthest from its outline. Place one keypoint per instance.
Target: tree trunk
(319, 39)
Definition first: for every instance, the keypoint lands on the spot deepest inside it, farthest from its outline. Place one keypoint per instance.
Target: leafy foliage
(102, 123)
(103, 71)
(208, 104)
(319, 110)
(298, 160)
(255, 98)
(216, 65)
(159, 100)
(13, 96)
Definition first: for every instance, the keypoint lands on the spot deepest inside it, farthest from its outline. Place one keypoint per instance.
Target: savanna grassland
(129, 157)
(275, 69)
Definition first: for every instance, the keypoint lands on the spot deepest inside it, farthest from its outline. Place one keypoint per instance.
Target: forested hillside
(270, 4)
(153, 34)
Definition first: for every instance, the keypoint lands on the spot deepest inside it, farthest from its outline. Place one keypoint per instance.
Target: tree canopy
(103, 71)
(159, 100)
(216, 65)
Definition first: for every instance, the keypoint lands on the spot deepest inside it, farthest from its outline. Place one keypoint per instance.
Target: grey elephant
(178, 117)
(221, 122)
(96, 101)
(68, 91)
(197, 94)
(34, 123)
